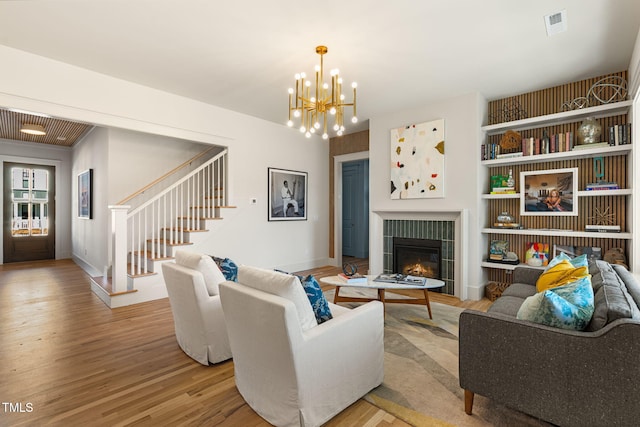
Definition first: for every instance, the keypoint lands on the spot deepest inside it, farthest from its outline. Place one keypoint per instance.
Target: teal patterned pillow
(229, 268)
(567, 307)
(316, 298)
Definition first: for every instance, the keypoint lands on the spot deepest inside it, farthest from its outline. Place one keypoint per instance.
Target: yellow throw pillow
(560, 274)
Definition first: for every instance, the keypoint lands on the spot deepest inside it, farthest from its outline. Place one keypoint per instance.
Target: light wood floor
(69, 360)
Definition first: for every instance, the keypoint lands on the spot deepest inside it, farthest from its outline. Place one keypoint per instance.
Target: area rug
(421, 385)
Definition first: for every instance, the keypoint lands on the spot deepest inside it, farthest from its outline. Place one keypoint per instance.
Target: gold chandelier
(313, 107)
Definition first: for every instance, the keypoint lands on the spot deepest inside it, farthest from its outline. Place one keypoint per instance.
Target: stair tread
(214, 207)
(169, 243)
(149, 255)
(185, 230)
(193, 217)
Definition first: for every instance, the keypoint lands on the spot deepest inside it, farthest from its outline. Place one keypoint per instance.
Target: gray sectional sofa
(565, 377)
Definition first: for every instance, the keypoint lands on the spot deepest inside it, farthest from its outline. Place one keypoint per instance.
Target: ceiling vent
(556, 23)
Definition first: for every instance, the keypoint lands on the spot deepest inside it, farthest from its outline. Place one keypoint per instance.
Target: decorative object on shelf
(537, 254)
(604, 91)
(592, 252)
(287, 195)
(552, 192)
(510, 111)
(498, 250)
(568, 250)
(601, 217)
(510, 181)
(505, 218)
(598, 167)
(589, 131)
(511, 141)
(607, 90)
(417, 161)
(616, 256)
(312, 107)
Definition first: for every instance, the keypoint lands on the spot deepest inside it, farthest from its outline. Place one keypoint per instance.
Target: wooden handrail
(171, 172)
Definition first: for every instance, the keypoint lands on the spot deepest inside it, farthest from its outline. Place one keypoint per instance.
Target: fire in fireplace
(417, 257)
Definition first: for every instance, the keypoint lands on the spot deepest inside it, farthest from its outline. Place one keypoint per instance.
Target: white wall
(40, 154)
(35, 83)
(463, 177)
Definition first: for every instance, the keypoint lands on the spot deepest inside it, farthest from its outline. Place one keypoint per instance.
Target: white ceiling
(242, 54)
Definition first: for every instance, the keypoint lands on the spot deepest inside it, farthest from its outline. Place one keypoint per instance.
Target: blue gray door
(355, 208)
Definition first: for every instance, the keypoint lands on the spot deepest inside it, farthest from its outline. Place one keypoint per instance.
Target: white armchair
(192, 284)
(294, 374)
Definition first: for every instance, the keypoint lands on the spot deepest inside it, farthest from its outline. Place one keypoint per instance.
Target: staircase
(178, 216)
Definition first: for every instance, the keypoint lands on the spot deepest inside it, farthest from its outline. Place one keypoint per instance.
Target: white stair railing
(165, 220)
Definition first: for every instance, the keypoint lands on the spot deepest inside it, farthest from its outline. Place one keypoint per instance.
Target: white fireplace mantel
(459, 216)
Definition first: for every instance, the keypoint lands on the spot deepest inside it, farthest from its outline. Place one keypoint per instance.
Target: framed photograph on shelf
(287, 195)
(552, 192)
(85, 194)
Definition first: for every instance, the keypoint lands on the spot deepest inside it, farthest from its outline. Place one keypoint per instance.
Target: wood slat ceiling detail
(59, 132)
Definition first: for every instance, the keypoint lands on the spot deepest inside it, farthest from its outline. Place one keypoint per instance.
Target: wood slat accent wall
(347, 144)
(545, 101)
(11, 122)
(616, 168)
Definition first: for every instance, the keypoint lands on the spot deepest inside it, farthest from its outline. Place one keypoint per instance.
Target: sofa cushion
(228, 267)
(519, 290)
(612, 301)
(205, 265)
(568, 307)
(281, 284)
(319, 303)
(508, 305)
(559, 274)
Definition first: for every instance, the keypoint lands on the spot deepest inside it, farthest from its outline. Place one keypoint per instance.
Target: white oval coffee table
(381, 287)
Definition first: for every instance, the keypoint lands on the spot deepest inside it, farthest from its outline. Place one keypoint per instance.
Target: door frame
(337, 202)
(58, 177)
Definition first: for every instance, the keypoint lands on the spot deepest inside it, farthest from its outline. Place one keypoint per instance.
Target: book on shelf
(602, 185)
(509, 155)
(356, 278)
(602, 228)
(503, 190)
(402, 279)
(620, 134)
(555, 143)
(591, 146)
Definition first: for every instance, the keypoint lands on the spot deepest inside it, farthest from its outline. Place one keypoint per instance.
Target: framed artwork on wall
(417, 161)
(552, 192)
(287, 195)
(85, 194)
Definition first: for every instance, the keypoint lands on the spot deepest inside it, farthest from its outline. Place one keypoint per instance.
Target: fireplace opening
(417, 257)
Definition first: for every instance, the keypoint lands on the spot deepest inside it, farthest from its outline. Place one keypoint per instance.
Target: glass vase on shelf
(589, 131)
(510, 181)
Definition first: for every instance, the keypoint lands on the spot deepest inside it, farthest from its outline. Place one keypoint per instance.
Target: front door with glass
(29, 212)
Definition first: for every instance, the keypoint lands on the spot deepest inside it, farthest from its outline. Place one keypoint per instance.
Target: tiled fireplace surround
(448, 224)
(422, 229)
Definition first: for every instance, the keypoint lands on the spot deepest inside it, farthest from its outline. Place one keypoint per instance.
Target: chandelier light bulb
(339, 80)
(290, 123)
(317, 125)
(325, 136)
(334, 72)
(312, 129)
(307, 83)
(297, 76)
(296, 113)
(339, 133)
(325, 86)
(354, 119)
(313, 99)
(303, 75)
(354, 85)
(317, 68)
(332, 110)
(303, 129)
(290, 91)
(308, 135)
(341, 128)
(336, 127)
(342, 97)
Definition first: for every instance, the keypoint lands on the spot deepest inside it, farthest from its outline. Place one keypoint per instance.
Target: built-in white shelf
(598, 111)
(501, 266)
(556, 233)
(614, 150)
(584, 193)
